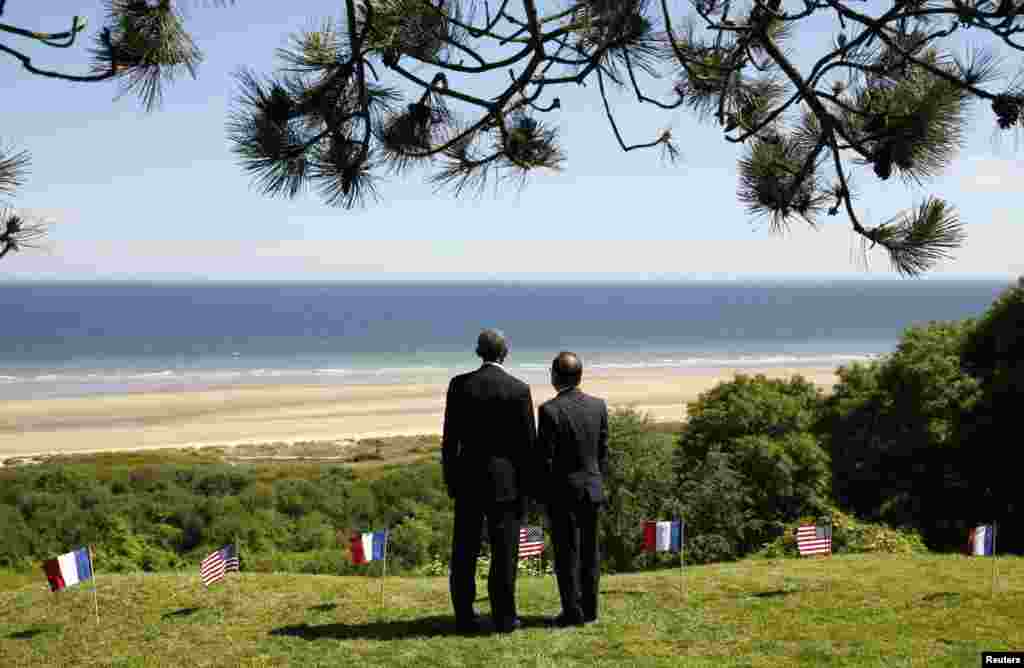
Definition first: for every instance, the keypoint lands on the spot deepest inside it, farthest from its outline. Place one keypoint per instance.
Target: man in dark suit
(488, 443)
(573, 443)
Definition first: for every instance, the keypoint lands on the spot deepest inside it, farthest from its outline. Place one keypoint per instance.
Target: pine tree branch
(454, 94)
(640, 97)
(485, 67)
(26, 62)
(615, 127)
(49, 39)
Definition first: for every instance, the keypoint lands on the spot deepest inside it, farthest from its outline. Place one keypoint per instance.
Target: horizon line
(521, 280)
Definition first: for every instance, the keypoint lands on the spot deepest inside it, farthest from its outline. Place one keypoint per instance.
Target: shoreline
(289, 414)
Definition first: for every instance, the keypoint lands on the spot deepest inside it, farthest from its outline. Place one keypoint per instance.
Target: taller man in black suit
(487, 447)
(573, 442)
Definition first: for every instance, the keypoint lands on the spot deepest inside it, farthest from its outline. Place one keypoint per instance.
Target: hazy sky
(160, 196)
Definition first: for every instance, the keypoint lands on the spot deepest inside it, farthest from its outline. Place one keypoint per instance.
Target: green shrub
(640, 486)
(850, 536)
(748, 462)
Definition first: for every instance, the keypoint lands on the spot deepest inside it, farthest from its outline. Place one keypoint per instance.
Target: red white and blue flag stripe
(811, 539)
(981, 540)
(369, 546)
(217, 563)
(531, 542)
(663, 536)
(68, 569)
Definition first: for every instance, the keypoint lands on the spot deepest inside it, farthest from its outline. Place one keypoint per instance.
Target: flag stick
(238, 587)
(994, 567)
(682, 579)
(95, 599)
(385, 574)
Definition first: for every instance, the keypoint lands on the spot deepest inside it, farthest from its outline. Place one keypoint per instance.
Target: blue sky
(160, 196)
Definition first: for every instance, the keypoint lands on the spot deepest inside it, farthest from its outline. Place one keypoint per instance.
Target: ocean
(74, 339)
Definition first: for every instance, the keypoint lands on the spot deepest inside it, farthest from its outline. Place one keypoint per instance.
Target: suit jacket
(572, 441)
(489, 435)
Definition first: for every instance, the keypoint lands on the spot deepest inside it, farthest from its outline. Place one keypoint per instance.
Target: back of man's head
(567, 369)
(491, 346)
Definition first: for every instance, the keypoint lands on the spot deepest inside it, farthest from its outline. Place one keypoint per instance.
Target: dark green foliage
(146, 46)
(161, 516)
(749, 406)
(850, 536)
(717, 511)
(891, 428)
(993, 353)
(923, 437)
(639, 486)
(994, 350)
(748, 462)
(785, 475)
(222, 481)
(919, 238)
(18, 537)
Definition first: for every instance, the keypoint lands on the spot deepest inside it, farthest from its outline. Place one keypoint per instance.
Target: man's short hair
(491, 345)
(567, 369)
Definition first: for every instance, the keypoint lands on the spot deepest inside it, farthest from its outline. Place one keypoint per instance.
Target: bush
(639, 486)
(748, 462)
(850, 536)
(16, 545)
(993, 354)
(709, 548)
(715, 504)
(749, 406)
(222, 481)
(891, 429)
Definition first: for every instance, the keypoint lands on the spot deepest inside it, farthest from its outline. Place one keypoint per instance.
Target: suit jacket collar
(492, 365)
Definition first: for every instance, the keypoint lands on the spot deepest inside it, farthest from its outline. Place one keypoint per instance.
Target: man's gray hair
(491, 345)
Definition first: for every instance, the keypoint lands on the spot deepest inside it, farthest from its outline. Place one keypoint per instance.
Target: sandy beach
(291, 414)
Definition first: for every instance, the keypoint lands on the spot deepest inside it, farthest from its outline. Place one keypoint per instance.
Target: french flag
(663, 536)
(68, 569)
(981, 540)
(368, 546)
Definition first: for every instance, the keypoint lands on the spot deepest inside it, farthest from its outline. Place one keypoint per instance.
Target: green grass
(862, 610)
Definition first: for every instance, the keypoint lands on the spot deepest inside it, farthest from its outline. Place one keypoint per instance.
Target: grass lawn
(860, 610)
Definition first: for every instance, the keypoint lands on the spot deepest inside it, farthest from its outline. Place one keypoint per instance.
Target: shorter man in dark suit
(573, 443)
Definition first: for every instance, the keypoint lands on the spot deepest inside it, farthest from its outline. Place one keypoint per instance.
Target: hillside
(861, 610)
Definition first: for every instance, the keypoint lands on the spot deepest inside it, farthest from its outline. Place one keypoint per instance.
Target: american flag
(217, 564)
(811, 539)
(531, 542)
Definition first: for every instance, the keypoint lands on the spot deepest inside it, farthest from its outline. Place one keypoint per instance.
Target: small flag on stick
(68, 569)
(217, 563)
(368, 546)
(981, 541)
(663, 536)
(666, 537)
(811, 539)
(531, 542)
(371, 546)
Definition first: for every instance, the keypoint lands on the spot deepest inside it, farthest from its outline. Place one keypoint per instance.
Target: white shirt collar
(497, 364)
